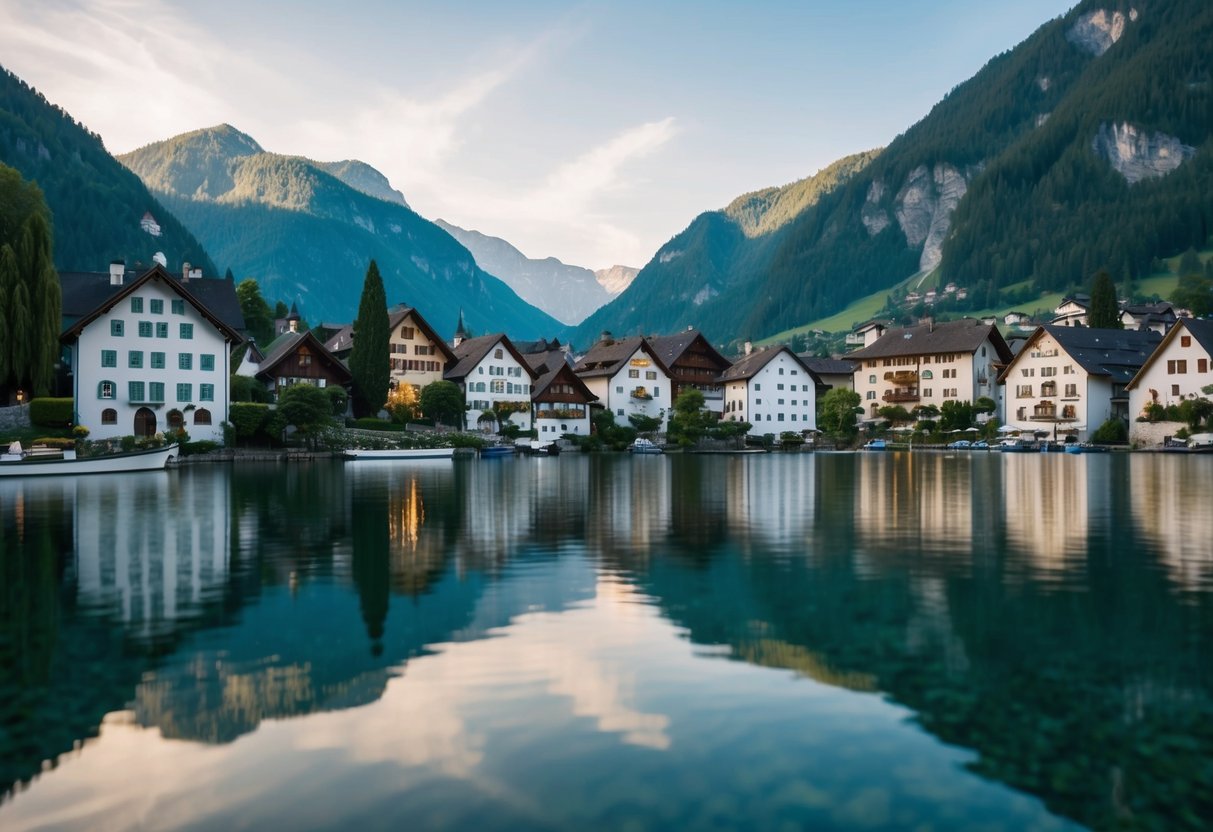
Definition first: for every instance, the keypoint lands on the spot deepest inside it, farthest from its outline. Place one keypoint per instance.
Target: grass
(26, 436)
(1161, 284)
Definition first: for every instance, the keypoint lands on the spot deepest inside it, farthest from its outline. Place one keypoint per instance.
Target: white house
(930, 364)
(773, 390)
(150, 353)
(1179, 369)
(1070, 380)
(494, 377)
(561, 400)
(628, 377)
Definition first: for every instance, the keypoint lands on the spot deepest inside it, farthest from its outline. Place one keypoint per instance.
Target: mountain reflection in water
(540, 642)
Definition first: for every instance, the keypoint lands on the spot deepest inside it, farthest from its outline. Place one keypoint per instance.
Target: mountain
(97, 205)
(616, 278)
(1088, 145)
(308, 229)
(568, 293)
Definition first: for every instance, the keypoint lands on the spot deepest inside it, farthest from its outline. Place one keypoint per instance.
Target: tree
(984, 404)
(402, 403)
(307, 407)
(442, 401)
(32, 308)
(1189, 263)
(955, 415)
(1194, 293)
(370, 361)
(1105, 312)
(8, 285)
(836, 412)
(894, 414)
(689, 421)
(256, 312)
(36, 264)
(645, 424)
(1195, 411)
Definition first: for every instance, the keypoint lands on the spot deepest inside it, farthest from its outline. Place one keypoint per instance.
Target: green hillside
(1010, 178)
(96, 204)
(305, 234)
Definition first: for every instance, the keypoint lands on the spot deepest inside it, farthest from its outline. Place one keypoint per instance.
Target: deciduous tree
(442, 401)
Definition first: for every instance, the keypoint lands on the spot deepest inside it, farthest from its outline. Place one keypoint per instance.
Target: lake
(828, 641)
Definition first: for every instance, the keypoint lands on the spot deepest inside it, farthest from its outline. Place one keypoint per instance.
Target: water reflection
(549, 634)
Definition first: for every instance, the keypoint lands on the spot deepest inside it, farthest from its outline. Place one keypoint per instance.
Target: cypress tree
(370, 363)
(8, 283)
(1105, 313)
(37, 271)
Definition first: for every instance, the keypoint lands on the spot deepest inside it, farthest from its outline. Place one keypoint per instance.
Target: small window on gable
(497, 353)
(137, 305)
(116, 329)
(157, 306)
(178, 307)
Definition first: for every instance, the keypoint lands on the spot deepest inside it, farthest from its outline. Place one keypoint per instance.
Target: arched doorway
(175, 419)
(145, 422)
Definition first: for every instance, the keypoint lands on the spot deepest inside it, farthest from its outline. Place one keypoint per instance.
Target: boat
(644, 446)
(1085, 448)
(400, 453)
(1014, 444)
(876, 445)
(495, 451)
(38, 462)
(538, 447)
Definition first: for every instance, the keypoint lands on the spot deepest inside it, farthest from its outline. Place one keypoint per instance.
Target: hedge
(52, 413)
(371, 423)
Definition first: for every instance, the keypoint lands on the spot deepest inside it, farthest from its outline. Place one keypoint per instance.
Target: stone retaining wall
(1151, 434)
(14, 417)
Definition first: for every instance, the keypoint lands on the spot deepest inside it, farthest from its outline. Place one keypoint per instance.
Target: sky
(592, 132)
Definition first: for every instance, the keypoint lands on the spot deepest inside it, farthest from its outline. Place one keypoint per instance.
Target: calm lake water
(829, 641)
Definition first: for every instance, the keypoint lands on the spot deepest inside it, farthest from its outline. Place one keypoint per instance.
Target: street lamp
(20, 396)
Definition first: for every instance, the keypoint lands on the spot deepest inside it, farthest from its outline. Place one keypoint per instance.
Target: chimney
(185, 272)
(117, 272)
(749, 346)
(605, 338)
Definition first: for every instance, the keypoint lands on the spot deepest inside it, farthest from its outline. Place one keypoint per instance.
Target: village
(149, 352)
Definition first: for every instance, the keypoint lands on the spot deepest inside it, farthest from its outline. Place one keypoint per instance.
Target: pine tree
(1105, 312)
(370, 363)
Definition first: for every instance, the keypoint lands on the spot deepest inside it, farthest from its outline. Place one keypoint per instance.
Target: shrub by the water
(51, 413)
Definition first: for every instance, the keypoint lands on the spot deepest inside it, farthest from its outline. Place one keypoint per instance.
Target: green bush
(467, 440)
(1111, 432)
(52, 413)
(127, 443)
(338, 399)
(204, 446)
(55, 442)
(371, 423)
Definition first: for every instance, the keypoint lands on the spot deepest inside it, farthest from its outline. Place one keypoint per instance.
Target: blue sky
(591, 132)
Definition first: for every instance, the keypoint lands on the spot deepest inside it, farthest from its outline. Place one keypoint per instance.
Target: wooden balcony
(898, 396)
(902, 376)
(1048, 412)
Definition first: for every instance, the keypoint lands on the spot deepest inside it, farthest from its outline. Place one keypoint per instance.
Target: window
(1048, 371)
(1177, 367)
(105, 390)
(206, 362)
(498, 386)
(927, 375)
(781, 417)
(109, 416)
(134, 391)
(134, 359)
(619, 412)
(137, 306)
(759, 386)
(178, 307)
(928, 392)
(498, 353)
(145, 329)
(185, 392)
(757, 401)
(781, 370)
(157, 361)
(781, 401)
(633, 374)
(202, 416)
(185, 361)
(651, 375)
(1202, 365)
(1185, 340)
(187, 331)
(157, 306)
(109, 358)
(618, 389)
(1174, 389)
(656, 392)
(155, 391)
(162, 330)
(1071, 391)
(872, 379)
(778, 386)
(1024, 391)
(871, 395)
(408, 333)
(116, 329)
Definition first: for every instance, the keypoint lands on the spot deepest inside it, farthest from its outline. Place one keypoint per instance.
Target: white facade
(782, 396)
(639, 387)
(416, 359)
(498, 378)
(928, 379)
(1178, 370)
(149, 355)
(1044, 388)
(1070, 313)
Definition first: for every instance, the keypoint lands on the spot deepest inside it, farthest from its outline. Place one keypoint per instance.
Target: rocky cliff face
(1136, 154)
(1096, 31)
(875, 218)
(924, 207)
(362, 177)
(616, 278)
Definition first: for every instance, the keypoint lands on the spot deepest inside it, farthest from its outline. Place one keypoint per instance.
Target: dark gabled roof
(397, 314)
(606, 357)
(288, 343)
(748, 366)
(670, 348)
(828, 366)
(1201, 330)
(559, 370)
(88, 295)
(542, 362)
(1115, 353)
(965, 335)
(471, 352)
(540, 346)
(1079, 299)
(341, 340)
